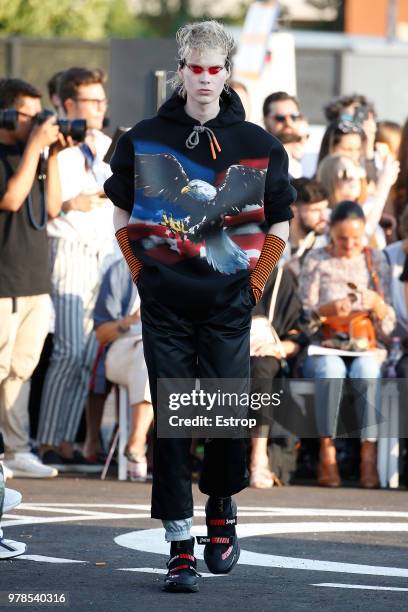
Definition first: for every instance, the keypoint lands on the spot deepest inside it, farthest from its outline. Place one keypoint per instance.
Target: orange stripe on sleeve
(133, 262)
(271, 253)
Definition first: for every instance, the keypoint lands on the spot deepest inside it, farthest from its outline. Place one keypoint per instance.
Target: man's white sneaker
(28, 465)
(12, 499)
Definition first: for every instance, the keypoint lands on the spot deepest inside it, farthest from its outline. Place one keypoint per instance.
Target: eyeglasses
(95, 101)
(26, 115)
(281, 118)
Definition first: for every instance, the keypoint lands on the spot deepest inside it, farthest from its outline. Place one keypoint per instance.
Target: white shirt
(295, 168)
(93, 227)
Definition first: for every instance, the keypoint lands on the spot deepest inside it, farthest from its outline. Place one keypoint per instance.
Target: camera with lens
(76, 128)
(8, 119)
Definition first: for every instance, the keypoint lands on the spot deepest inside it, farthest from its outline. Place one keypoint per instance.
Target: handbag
(355, 331)
(263, 329)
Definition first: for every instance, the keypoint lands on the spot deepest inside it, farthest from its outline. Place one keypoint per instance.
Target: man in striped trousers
(78, 245)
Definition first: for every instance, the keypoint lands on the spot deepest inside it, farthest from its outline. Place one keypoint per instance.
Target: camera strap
(41, 177)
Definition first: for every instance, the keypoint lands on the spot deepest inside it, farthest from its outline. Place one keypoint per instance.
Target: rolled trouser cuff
(177, 530)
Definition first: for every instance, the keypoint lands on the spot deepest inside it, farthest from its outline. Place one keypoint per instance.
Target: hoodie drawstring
(194, 138)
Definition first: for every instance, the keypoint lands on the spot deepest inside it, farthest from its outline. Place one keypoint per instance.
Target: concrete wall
(326, 65)
(132, 82)
(381, 77)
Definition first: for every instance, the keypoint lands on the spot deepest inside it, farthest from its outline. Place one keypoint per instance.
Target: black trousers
(205, 344)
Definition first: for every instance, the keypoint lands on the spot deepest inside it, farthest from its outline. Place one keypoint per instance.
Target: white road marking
(152, 541)
(65, 510)
(335, 585)
(44, 559)
(19, 517)
(86, 505)
(252, 510)
(156, 570)
(37, 520)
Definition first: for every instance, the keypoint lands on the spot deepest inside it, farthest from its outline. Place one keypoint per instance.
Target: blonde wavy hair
(328, 176)
(201, 35)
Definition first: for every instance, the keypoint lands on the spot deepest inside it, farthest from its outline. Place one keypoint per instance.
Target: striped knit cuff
(134, 264)
(271, 253)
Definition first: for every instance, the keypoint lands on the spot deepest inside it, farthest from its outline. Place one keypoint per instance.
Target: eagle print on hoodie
(195, 210)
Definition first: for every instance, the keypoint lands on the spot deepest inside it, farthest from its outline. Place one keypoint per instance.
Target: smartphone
(361, 114)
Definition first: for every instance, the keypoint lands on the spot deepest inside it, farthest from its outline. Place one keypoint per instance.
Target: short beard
(308, 228)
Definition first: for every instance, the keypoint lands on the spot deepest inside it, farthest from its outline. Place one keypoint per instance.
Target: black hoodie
(197, 199)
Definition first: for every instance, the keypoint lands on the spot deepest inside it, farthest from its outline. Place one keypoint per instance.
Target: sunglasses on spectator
(281, 118)
(351, 175)
(348, 127)
(197, 69)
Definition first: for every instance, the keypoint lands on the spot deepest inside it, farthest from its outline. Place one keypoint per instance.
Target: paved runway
(303, 548)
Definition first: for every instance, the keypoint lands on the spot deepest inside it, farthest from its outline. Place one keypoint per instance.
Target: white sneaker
(11, 548)
(6, 471)
(12, 499)
(28, 465)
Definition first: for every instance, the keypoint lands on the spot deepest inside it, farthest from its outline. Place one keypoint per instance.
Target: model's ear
(180, 67)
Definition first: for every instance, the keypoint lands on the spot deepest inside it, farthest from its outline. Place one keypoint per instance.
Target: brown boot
(368, 465)
(327, 470)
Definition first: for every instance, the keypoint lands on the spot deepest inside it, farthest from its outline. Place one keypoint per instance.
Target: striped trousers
(75, 284)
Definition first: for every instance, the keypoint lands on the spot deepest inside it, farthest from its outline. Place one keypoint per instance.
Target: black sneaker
(222, 550)
(77, 463)
(182, 576)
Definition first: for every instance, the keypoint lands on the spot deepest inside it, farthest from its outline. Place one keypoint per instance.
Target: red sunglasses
(200, 69)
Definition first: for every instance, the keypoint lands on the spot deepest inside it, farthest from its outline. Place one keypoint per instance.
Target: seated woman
(267, 360)
(117, 325)
(345, 179)
(324, 288)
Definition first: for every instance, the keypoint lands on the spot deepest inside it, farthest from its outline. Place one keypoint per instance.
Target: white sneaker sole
(10, 549)
(23, 474)
(77, 469)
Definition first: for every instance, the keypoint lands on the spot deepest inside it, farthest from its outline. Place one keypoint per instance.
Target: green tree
(96, 19)
(45, 18)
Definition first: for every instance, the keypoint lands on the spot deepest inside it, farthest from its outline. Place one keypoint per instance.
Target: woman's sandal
(263, 478)
(137, 466)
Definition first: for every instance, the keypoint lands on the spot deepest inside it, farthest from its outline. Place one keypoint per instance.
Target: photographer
(29, 189)
(80, 238)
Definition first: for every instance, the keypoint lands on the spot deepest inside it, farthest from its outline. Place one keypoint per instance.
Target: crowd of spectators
(347, 257)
